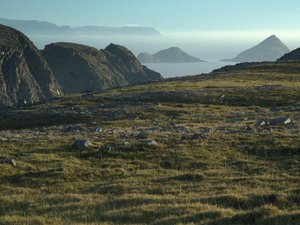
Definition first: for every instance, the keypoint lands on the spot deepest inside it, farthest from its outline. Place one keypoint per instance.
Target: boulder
(274, 122)
(143, 135)
(106, 148)
(82, 144)
(73, 128)
(150, 143)
(8, 161)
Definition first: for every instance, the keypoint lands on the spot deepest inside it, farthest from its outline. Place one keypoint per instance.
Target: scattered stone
(76, 107)
(13, 162)
(143, 135)
(258, 110)
(287, 121)
(82, 144)
(106, 148)
(126, 143)
(151, 143)
(274, 122)
(98, 130)
(198, 137)
(280, 121)
(3, 139)
(73, 128)
(260, 123)
(222, 97)
(8, 161)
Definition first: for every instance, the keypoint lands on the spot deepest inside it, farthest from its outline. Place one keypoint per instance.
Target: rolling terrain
(221, 148)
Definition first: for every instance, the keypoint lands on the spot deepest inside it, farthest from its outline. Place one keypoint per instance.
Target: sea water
(168, 70)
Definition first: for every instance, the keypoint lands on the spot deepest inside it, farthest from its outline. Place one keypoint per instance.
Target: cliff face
(81, 68)
(24, 74)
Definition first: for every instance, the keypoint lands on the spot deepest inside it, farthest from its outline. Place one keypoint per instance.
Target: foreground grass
(212, 165)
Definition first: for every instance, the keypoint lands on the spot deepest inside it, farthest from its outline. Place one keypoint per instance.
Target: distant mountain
(33, 27)
(268, 50)
(24, 74)
(291, 56)
(116, 31)
(170, 55)
(81, 68)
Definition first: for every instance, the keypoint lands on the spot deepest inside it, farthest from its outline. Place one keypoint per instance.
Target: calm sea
(182, 69)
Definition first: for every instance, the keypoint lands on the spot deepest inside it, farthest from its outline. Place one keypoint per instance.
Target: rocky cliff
(24, 74)
(79, 68)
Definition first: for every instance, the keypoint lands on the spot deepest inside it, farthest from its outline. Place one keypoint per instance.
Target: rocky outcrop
(268, 50)
(170, 55)
(292, 56)
(80, 68)
(24, 74)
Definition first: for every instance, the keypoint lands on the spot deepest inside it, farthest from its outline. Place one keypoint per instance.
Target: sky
(206, 28)
(164, 15)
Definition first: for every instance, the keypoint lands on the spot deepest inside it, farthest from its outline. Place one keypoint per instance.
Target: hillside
(217, 149)
(270, 49)
(80, 68)
(291, 56)
(170, 55)
(24, 74)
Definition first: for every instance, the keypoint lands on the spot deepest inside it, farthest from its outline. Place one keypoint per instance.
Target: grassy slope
(233, 174)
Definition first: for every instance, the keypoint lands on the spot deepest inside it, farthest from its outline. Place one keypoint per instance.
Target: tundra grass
(212, 165)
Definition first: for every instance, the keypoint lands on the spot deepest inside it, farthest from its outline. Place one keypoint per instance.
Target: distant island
(170, 55)
(270, 49)
(43, 28)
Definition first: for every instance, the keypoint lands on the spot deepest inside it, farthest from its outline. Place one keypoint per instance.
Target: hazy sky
(165, 15)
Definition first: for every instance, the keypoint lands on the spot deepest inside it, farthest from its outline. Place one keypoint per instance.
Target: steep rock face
(170, 55)
(24, 74)
(292, 56)
(81, 68)
(268, 50)
(129, 66)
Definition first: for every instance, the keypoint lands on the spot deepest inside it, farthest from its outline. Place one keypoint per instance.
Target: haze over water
(211, 47)
(210, 30)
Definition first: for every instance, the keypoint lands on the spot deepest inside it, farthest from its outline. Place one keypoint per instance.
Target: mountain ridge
(91, 69)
